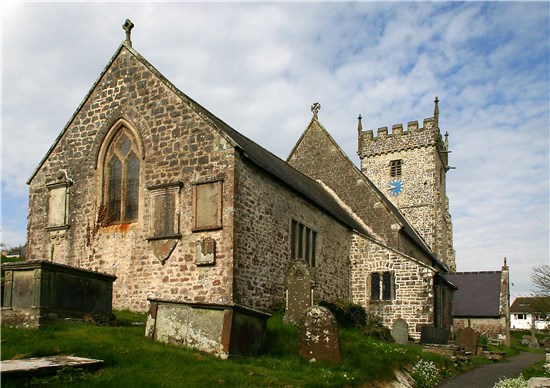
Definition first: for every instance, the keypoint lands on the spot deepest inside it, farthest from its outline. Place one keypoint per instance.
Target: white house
(522, 314)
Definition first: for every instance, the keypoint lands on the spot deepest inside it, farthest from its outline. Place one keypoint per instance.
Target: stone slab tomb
(222, 330)
(44, 365)
(318, 337)
(39, 292)
(299, 283)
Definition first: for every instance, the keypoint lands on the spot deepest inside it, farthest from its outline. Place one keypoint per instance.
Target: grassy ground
(131, 360)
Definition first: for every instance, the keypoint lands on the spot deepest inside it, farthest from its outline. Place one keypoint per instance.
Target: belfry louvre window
(303, 243)
(395, 168)
(381, 286)
(122, 179)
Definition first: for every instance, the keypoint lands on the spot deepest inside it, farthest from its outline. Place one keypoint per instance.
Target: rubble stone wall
(413, 298)
(178, 145)
(264, 211)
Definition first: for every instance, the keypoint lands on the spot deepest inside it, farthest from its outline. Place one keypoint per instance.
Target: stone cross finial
(315, 108)
(127, 26)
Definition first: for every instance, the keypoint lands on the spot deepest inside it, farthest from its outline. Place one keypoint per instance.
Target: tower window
(395, 168)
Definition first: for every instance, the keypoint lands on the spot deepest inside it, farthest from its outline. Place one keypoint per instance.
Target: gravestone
(400, 332)
(318, 337)
(299, 283)
(434, 335)
(467, 338)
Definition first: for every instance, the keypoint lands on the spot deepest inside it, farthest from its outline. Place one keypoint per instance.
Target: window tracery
(121, 178)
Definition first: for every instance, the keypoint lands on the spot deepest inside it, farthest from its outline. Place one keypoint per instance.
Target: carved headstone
(299, 283)
(318, 337)
(467, 338)
(400, 331)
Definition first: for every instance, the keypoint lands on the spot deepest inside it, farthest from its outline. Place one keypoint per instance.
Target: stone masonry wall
(423, 200)
(264, 210)
(414, 297)
(179, 145)
(317, 156)
(491, 327)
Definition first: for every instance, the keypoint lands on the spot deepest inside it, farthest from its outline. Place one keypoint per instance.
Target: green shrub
(347, 314)
(375, 328)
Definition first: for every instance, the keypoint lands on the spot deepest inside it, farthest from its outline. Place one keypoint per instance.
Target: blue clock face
(395, 187)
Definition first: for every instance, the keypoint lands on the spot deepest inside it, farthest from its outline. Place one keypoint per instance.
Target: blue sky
(260, 66)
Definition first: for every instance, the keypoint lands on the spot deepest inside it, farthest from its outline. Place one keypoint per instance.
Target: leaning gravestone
(299, 283)
(318, 337)
(400, 332)
(468, 339)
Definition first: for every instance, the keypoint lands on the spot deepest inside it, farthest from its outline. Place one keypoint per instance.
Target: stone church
(145, 184)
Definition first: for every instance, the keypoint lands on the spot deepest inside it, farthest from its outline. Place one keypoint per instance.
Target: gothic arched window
(121, 178)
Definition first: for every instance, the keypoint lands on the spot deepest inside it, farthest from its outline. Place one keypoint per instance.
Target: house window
(395, 168)
(122, 178)
(207, 206)
(520, 316)
(303, 243)
(381, 286)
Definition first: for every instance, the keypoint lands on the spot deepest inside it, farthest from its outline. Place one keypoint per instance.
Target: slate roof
(406, 227)
(523, 304)
(477, 294)
(272, 164)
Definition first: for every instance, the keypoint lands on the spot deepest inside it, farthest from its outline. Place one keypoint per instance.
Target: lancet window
(121, 178)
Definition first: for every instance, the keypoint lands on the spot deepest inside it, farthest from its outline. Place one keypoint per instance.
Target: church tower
(409, 167)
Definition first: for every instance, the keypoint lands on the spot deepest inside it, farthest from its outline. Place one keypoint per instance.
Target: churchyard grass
(132, 360)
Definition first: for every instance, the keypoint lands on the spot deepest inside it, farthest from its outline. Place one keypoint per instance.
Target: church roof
(406, 227)
(478, 293)
(264, 159)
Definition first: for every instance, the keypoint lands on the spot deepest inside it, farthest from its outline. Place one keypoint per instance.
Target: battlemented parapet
(399, 139)
(409, 165)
